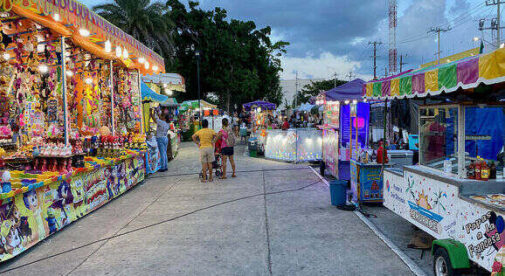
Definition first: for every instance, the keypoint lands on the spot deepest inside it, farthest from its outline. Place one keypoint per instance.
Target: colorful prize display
(294, 145)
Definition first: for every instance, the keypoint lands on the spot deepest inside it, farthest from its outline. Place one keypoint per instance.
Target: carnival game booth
(457, 191)
(259, 112)
(71, 129)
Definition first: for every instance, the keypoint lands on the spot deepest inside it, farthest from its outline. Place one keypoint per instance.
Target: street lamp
(197, 55)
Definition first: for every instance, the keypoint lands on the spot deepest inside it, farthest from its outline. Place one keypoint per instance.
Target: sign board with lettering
(436, 208)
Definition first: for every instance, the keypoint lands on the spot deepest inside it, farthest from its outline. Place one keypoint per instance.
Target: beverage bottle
(374, 156)
(484, 171)
(492, 175)
(477, 168)
(470, 173)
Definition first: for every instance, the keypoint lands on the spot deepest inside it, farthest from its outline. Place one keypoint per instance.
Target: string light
(108, 46)
(155, 68)
(84, 32)
(118, 51)
(89, 80)
(169, 92)
(70, 73)
(146, 65)
(142, 60)
(56, 17)
(6, 56)
(43, 68)
(125, 53)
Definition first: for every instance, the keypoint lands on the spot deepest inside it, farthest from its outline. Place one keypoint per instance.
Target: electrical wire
(159, 223)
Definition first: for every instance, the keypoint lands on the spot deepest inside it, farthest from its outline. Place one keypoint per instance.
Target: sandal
(223, 177)
(233, 175)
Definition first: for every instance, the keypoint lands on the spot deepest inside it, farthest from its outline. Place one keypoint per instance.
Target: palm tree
(145, 21)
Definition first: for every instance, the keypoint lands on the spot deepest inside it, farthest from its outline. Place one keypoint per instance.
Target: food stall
(457, 191)
(259, 112)
(71, 128)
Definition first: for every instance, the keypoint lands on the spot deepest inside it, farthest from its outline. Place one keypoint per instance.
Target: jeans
(162, 147)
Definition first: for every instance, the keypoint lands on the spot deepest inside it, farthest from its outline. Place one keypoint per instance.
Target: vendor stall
(456, 193)
(294, 145)
(71, 129)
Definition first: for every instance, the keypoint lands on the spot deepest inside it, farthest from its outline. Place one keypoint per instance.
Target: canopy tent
(194, 105)
(467, 73)
(89, 31)
(263, 105)
(171, 81)
(305, 107)
(170, 102)
(352, 90)
(149, 95)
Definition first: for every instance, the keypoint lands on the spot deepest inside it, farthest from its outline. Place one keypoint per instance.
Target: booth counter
(294, 145)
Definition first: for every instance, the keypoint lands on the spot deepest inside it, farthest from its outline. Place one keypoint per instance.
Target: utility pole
(385, 71)
(350, 75)
(335, 80)
(296, 90)
(374, 43)
(438, 30)
(402, 63)
(495, 24)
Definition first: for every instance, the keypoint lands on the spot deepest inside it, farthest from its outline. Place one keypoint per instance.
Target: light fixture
(125, 53)
(155, 68)
(169, 92)
(84, 32)
(43, 68)
(108, 46)
(40, 48)
(365, 100)
(142, 60)
(6, 56)
(69, 73)
(475, 39)
(354, 101)
(502, 45)
(88, 80)
(165, 85)
(146, 65)
(346, 102)
(119, 52)
(56, 17)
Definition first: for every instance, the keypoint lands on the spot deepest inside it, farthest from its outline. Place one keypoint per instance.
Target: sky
(329, 37)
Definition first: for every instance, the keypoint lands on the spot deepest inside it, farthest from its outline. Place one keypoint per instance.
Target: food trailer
(457, 191)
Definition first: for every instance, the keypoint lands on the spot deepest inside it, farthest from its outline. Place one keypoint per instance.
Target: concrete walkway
(273, 219)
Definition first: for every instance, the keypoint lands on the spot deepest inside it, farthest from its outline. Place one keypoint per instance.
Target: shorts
(228, 151)
(206, 155)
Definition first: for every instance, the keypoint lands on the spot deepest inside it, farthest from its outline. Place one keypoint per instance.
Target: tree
(147, 22)
(315, 87)
(239, 62)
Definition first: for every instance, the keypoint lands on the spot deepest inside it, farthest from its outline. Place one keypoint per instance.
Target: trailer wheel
(442, 264)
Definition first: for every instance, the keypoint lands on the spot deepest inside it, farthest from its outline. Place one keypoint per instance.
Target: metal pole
(113, 128)
(198, 85)
(296, 90)
(498, 23)
(438, 42)
(141, 105)
(461, 141)
(64, 88)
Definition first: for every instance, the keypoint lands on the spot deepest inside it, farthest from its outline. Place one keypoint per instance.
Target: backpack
(230, 140)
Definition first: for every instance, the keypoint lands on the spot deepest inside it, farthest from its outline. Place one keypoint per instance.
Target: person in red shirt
(285, 125)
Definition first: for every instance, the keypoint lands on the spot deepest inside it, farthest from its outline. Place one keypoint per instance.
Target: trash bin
(338, 192)
(252, 146)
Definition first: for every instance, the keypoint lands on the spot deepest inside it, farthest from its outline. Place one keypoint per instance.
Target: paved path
(273, 219)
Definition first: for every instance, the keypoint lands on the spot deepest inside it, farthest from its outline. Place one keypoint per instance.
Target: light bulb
(108, 46)
(169, 92)
(155, 68)
(70, 73)
(146, 65)
(118, 51)
(475, 39)
(89, 80)
(125, 53)
(346, 102)
(56, 17)
(84, 32)
(6, 56)
(43, 68)
(142, 60)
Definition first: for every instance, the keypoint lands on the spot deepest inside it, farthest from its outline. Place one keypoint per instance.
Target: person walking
(162, 127)
(205, 139)
(227, 138)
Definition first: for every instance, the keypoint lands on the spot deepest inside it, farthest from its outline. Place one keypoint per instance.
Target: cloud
(323, 66)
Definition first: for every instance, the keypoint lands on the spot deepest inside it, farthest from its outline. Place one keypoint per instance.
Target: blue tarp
(352, 90)
(487, 121)
(149, 95)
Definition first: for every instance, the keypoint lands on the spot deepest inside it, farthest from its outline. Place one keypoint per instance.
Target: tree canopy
(315, 87)
(239, 62)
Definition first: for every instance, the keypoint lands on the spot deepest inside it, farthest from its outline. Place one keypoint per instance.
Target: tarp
(149, 95)
(305, 107)
(352, 90)
(172, 81)
(262, 104)
(194, 105)
(486, 121)
(466, 73)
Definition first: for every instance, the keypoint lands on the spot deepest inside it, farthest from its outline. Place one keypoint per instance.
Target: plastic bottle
(477, 168)
(447, 166)
(470, 173)
(484, 171)
(492, 175)
(374, 156)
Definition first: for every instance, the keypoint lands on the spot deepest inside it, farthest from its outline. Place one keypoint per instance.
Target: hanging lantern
(215, 112)
(206, 113)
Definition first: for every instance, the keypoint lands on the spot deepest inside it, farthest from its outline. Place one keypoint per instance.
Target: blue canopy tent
(149, 95)
(352, 90)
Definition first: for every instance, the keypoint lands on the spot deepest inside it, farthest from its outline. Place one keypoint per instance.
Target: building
(289, 88)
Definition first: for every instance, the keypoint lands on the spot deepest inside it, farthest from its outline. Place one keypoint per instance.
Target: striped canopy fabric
(466, 73)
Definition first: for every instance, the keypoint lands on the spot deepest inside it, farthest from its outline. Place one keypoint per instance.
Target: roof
(467, 73)
(262, 104)
(73, 17)
(172, 81)
(348, 91)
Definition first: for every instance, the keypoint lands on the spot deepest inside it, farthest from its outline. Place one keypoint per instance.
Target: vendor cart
(457, 191)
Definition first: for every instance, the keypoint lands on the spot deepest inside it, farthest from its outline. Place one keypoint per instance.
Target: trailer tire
(442, 264)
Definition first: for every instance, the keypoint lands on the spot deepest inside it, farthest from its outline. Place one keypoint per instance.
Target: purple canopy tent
(352, 90)
(262, 104)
